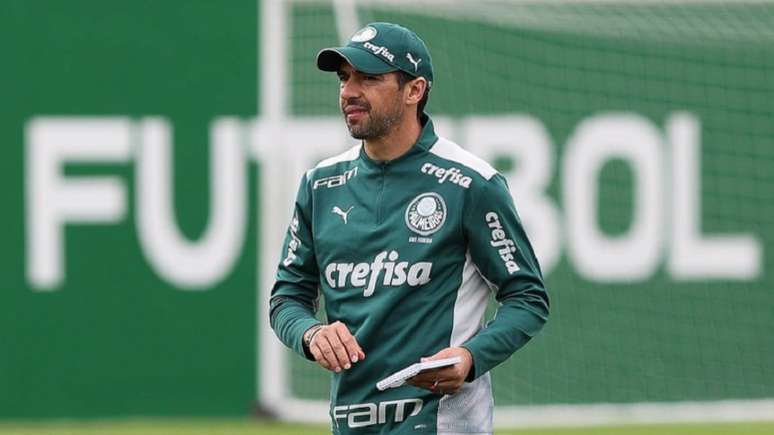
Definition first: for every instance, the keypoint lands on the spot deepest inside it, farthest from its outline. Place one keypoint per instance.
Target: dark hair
(403, 78)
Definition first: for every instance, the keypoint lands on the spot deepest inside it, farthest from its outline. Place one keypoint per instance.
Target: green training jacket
(406, 253)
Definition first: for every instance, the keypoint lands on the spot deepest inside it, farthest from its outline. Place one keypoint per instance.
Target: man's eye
(371, 78)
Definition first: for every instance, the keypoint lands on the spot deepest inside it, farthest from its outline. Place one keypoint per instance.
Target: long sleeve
(502, 253)
(295, 293)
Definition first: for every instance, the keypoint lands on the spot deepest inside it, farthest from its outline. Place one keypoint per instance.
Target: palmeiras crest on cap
(367, 33)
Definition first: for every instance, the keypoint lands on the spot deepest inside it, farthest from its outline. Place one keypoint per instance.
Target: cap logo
(380, 51)
(415, 62)
(365, 34)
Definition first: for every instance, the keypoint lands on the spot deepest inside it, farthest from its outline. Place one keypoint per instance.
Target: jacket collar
(427, 138)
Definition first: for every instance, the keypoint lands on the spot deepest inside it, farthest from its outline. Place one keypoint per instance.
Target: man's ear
(416, 90)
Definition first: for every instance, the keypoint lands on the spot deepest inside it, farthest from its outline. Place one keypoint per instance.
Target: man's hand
(334, 347)
(445, 380)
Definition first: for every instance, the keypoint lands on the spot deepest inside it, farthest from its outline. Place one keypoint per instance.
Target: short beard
(376, 125)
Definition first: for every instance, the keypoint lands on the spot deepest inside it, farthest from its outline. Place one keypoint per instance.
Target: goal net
(637, 138)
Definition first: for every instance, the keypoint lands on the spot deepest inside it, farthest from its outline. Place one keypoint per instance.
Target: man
(405, 235)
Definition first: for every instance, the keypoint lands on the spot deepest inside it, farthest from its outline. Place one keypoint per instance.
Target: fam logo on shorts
(426, 213)
(365, 34)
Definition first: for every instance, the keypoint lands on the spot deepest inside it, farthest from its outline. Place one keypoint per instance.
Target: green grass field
(263, 427)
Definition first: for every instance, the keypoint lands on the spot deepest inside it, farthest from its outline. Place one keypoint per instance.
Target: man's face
(372, 104)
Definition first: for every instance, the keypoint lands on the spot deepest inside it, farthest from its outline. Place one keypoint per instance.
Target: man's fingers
(335, 348)
(451, 386)
(429, 376)
(339, 350)
(446, 380)
(327, 352)
(437, 386)
(424, 380)
(351, 347)
(318, 356)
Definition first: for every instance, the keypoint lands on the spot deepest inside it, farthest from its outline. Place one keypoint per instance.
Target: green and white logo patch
(365, 34)
(426, 213)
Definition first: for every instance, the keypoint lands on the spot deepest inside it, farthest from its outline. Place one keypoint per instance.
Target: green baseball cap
(379, 48)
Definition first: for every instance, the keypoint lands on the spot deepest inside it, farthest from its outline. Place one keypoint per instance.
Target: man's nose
(349, 89)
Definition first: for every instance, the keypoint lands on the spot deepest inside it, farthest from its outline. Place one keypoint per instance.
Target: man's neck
(396, 143)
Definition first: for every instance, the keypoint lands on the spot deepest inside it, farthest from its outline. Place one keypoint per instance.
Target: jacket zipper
(380, 192)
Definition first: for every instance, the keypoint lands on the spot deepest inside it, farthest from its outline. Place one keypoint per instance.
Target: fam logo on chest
(425, 215)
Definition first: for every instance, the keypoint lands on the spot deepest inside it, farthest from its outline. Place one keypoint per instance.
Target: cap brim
(330, 59)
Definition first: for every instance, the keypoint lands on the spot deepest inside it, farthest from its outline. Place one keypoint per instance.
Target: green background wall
(115, 339)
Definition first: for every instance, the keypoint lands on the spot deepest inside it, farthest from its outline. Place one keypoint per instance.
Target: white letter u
(201, 264)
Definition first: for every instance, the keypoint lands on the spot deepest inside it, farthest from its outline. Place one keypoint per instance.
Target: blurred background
(151, 151)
